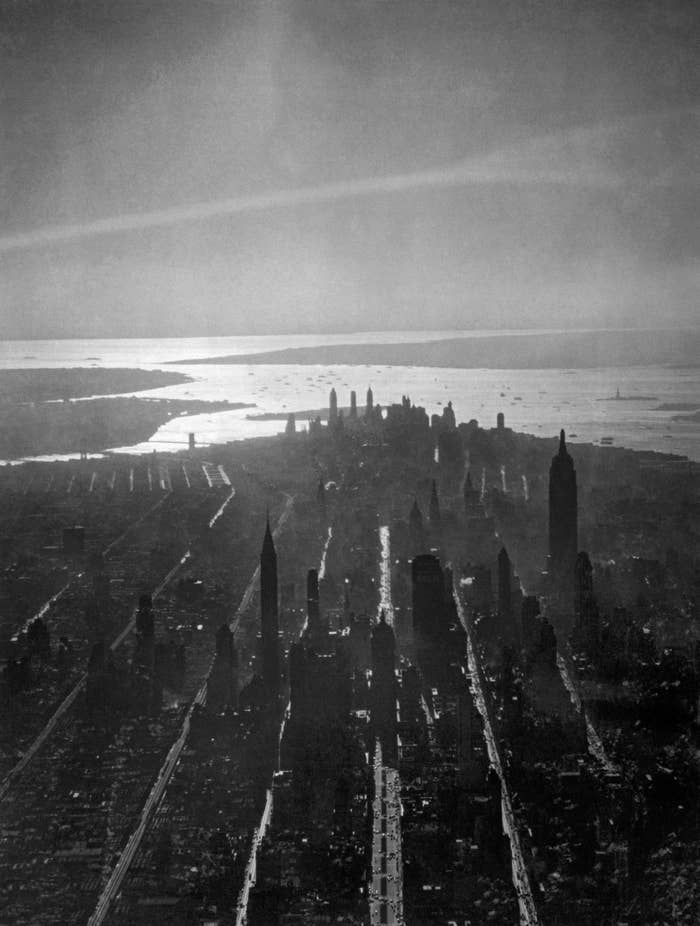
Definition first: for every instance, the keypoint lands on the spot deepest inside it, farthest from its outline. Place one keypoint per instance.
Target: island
(525, 350)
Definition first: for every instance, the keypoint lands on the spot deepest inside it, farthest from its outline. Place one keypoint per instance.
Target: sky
(191, 168)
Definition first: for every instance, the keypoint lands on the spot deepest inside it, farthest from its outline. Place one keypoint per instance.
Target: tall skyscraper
(428, 597)
(415, 530)
(353, 404)
(563, 521)
(369, 411)
(504, 584)
(269, 613)
(333, 407)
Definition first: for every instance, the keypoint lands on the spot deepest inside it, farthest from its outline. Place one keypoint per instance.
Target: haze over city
(179, 168)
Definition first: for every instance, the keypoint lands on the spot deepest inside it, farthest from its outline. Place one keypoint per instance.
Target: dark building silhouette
(353, 404)
(563, 516)
(416, 530)
(333, 407)
(222, 686)
(269, 614)
(430, 619)
(383, 646)
(369, 411)
(291, 426)
(500, 421)
(448, 417)
(504, 585)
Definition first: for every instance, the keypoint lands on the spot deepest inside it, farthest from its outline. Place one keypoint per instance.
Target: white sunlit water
(536, 401)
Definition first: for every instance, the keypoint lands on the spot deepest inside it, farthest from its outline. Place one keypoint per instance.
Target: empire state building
(563, 521)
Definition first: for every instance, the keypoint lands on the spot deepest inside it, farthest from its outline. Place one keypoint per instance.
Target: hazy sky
(172, 167)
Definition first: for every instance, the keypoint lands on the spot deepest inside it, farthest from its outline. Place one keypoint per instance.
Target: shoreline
(94, 425)
(506, 352)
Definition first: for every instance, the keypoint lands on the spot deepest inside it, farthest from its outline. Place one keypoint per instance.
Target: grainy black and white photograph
(349, 462)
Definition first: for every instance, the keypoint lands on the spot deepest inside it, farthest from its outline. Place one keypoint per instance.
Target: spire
(562, 443)
(268, 542)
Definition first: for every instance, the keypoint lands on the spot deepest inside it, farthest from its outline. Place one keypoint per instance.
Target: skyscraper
(415, 530)
(353, 404)
(333, 407)
(504, 585)
(269, 613)
(428, 598)
(563, 521)
(370, 404)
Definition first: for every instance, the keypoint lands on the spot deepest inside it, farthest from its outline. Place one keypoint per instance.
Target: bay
(535, 401)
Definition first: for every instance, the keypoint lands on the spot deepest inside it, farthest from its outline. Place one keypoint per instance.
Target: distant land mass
(94, 425)
(45, 385)
(38, 417)
(567, 350)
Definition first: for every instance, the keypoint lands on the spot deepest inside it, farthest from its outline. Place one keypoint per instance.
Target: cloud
(641, 152)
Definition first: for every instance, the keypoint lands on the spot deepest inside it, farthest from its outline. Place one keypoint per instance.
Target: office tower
(434, 511)
(383, 646)
(222, 685)
(353, 404)
(500, 421)
(415, 530)
(369, 411)
(333, 407)
(313, 611)
(268, 613)
(504, 586)
(563, 532)
(428, 597)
